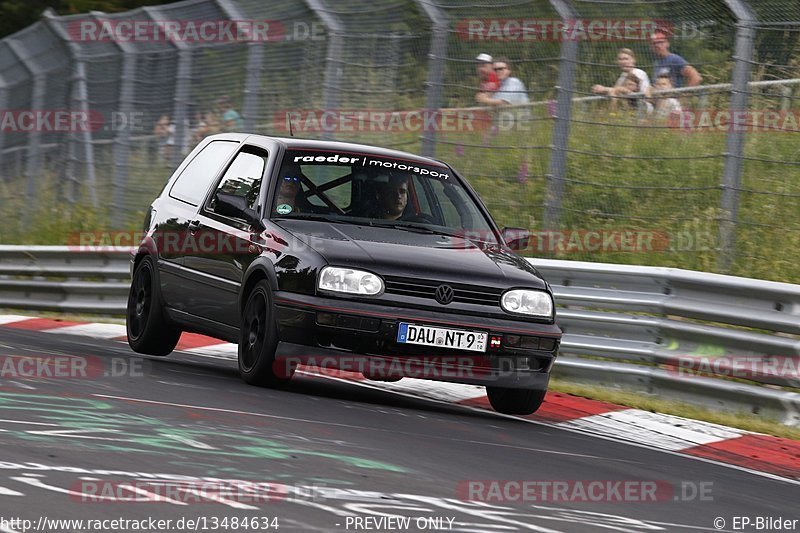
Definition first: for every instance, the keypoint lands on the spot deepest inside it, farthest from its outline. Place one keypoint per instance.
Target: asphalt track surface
(322, 455)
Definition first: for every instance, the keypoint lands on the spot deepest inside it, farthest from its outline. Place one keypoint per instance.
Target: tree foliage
(16, 15)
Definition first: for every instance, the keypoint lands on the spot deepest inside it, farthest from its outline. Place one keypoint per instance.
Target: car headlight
(349, 281)
(528, 302)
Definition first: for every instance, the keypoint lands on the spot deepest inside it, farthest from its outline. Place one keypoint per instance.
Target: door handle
(194, 225)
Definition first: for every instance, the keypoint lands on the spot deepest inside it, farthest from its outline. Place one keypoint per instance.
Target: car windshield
(358, 188)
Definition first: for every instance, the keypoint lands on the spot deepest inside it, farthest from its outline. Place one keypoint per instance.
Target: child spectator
(665, 107)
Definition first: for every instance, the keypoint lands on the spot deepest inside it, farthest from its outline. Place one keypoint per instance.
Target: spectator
(164, 131)
(511, 91)
(680, 72)
(487, 79)
(665, 106)
(627, 64)
(230, 118)
(631, 92)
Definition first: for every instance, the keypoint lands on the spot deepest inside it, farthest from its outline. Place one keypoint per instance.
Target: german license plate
(473, 341)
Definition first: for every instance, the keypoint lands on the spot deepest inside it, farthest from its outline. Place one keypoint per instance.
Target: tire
(258, 340)
(149, 332)
(515, 401)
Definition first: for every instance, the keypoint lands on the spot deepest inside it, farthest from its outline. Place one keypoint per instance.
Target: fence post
(435, 80)
(80, 96)
(183, 81)
(734, 143)
(33, 164)
(333, 69)
(122, 142)
(557, 168)
(3, 105)
(255, 61)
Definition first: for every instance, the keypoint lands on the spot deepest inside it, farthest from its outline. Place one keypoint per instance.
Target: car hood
(396, 252)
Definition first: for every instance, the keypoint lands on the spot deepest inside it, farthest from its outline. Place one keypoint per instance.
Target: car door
(183, 201)
(226, 244)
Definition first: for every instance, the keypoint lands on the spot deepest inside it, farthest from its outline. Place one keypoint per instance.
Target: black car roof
(291, 143)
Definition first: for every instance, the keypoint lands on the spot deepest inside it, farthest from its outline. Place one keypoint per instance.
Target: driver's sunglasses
(292, 179)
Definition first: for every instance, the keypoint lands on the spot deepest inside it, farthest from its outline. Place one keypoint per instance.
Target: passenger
(286, 199)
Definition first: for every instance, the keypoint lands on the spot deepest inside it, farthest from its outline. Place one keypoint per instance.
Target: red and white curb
(745, 449)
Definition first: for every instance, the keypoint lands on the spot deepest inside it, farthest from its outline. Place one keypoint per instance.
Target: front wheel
(147, 328)
(515, 401)
(258, 341)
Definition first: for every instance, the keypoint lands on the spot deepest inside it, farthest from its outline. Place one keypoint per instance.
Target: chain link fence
(703, 177)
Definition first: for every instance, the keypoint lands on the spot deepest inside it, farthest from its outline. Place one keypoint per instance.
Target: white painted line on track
(94, 330)
(226, 350)
(10, 319)
(662, 431)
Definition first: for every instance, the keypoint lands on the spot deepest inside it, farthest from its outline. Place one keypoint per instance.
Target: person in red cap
(486, 76)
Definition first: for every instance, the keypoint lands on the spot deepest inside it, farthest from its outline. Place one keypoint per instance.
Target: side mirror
(516, 238)
(230, 205)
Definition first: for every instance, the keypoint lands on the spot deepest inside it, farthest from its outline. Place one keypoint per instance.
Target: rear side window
(192, 184)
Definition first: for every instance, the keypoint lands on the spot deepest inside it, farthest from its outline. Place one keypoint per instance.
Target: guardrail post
(734, 144)
(435, 81)
(557, 169)
(333, 57)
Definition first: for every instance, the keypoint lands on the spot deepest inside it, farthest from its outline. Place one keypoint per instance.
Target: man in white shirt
(511, 91)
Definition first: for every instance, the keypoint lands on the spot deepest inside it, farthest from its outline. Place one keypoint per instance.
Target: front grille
(425, 288)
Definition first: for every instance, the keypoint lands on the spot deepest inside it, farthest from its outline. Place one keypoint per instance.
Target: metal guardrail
(663, 331)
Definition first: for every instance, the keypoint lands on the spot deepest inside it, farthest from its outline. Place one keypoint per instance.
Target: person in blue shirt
(511, 90)
(680, 72)
(231, 119)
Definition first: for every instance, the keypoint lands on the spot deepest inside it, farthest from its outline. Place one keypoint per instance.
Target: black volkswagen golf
(341, 256)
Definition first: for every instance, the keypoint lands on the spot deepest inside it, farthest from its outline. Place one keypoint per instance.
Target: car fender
(261, 267)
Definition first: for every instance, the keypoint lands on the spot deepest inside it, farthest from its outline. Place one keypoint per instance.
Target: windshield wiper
(310, 216)
(415, 228)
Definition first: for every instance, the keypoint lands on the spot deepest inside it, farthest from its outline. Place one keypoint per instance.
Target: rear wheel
(258, 341)
(149, 331)
(515, 401)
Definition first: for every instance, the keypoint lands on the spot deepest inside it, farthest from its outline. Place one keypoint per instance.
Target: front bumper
(357, 336)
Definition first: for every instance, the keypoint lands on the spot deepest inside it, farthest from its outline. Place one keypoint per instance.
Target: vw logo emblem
(444, 294)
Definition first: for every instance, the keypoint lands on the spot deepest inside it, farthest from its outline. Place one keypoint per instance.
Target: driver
(392, 197)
